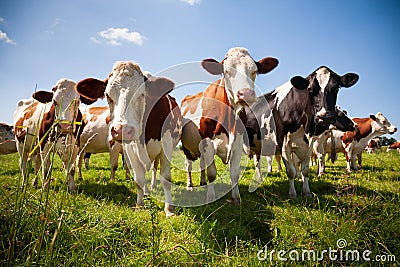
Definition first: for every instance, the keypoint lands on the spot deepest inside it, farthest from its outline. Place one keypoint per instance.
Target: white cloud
(115, 36)
(191, 2)
(4, 37)
(1, 19)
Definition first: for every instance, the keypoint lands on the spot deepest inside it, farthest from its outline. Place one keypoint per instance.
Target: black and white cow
(297, 108)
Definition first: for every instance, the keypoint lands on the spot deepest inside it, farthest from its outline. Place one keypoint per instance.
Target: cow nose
(65, 128)
(122, 132)
(246, 95)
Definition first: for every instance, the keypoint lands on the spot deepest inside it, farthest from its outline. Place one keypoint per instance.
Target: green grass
(99, 224)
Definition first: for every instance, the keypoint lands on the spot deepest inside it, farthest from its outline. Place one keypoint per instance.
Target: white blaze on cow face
(323, 76)
(125, 94)
(382, 125)
(66, 102)
(240, 72)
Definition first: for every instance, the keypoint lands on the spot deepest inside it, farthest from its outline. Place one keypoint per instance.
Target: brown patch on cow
(363, 130)
(192, 102)
(158, 115)
(218, 115)
(47, 123)
(108, 119)
(19, 128)
(395, 145)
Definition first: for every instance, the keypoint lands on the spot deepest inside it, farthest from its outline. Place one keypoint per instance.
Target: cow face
(324, 87)
(125, 93)
(239, 71)
(382, 125)
(343, 122)
(65, 102)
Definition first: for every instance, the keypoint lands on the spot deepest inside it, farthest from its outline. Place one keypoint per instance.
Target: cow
(94, 139)
(374, 145)
(342, 123)
(300, 107)
(7, 139)
(395, 145)
(212, 124)
(143, 117)
(49, 121)
(353, 143)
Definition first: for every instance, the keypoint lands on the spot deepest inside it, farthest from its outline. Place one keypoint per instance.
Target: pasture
(98, 225)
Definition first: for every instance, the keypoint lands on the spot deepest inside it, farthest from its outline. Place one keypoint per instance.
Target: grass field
(99, 225)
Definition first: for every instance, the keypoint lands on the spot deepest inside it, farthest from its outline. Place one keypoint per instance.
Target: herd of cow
(296, 121)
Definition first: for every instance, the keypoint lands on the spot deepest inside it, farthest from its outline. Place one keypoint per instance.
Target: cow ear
(372, 117)
(349, 79)
(299, 82)
(158, 86)
(212, 66)
(266, 64)
(90, 90)
(43, 96)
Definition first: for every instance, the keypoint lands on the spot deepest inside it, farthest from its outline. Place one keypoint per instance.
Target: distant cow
(49, 120)
(144, 118)
(301, 106)
(7, 140)
(94, 139)
(353, 143)
(374, 145)
(211, 118)
(395, 145)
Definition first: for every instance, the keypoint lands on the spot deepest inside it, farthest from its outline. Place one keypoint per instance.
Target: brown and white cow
(374, 145)
(49, 121)
(211, 118)
(94, 139)
(7, 139)
(144, 118)
(395, 145)
(353, 143)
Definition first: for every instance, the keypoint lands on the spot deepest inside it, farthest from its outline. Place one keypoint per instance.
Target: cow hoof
(189, 188)
(307, 194)
(169, 210)
(292, 196)
(234, 201)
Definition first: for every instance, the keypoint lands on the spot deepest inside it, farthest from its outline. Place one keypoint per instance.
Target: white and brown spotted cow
(144, 118)
(7, 139)
(95, 139)
(212, 124)
(353, 143)
(49, 121)
(394, 146)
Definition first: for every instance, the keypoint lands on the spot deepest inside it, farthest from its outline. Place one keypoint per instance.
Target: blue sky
(43, 41)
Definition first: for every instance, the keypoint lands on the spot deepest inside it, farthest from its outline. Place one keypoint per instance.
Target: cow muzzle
(121, 133)
(246, 97)
(65, 128)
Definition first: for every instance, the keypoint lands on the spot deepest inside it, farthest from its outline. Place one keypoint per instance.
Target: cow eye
(55, 103)
(109, 100)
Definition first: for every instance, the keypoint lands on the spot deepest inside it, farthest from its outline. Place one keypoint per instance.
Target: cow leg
(189, 183)
(359, 159)
(303, 156)
(290, 168)
(257, 165)
(269, 163)
(278, 159)
(36, 167)
(207, 166)
(139, 177)
(154, 167)
(126, 167)
(80, 160)
(114, 154)
(321, 164)
(234, 167)
(166, 181)
(86, 158)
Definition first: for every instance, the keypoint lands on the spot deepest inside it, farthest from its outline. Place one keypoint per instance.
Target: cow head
(65, 102)
(324, 85)
(343, 122)
(128, 92)
(239, 71)
(382, 125)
